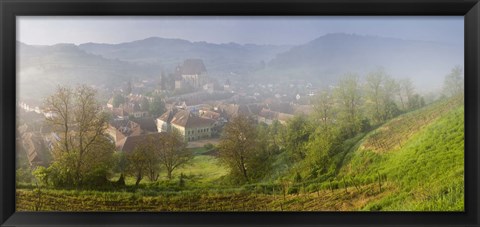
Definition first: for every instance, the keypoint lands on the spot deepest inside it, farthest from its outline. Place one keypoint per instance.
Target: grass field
(226, 200)
(201, 171)
(428, 167)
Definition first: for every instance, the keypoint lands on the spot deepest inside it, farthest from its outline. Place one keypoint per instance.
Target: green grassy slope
(420, 155)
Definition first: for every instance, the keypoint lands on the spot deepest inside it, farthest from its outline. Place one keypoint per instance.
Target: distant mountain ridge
(219, 58)
(41, 68)
(322, 60)
(331, 55)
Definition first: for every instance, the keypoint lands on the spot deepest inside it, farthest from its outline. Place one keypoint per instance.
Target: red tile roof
(128, 144)
(186, 119)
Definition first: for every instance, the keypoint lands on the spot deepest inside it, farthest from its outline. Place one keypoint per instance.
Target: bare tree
(172, 151)
(406, 92)
(80, 124)
(324, 107)
(454, 82)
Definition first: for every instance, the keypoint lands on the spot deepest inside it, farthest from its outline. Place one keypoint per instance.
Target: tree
(349, 98)
(128, 89)
(145, 104)
(117, 100)
(454, 82)
(391, 88)
(121, 164)
(157, 107)
(321, 149)
(238, 145)
(163, 81)
(374, 95)
(143, 161)
(324, 108)
(172, 151)
(277, 133)
(137, 163)
(297, 135)
(82, 150)
(259, 163)
(406, 92)
(391, 109)
(415, 102)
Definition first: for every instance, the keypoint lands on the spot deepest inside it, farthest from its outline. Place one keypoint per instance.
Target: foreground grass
(428, 167)
(234, 200)
(202, 171)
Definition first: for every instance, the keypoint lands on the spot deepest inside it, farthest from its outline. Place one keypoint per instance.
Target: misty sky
(259, 30)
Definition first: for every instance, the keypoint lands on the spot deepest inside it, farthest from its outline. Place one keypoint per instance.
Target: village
(187, 100)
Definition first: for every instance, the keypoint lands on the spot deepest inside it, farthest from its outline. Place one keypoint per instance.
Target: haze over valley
(320, 61)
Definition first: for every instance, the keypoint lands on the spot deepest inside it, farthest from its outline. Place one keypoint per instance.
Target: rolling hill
(419, 154)
(42, 68)
(331, 55)
(220, 59)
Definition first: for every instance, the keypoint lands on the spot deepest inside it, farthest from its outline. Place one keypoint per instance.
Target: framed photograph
(239, 113)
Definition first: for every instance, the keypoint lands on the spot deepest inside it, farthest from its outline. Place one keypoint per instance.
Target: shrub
(41, 174)
(23, 175)
(293, 190)
(208, 146)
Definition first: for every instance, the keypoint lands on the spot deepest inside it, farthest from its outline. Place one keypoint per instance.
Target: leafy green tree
(374, 95)
(392, 110)
(277, 133)
(380, 90)
(157, 106)
(268, 138)
(117, 100)
(321, 149)
(415, 102)
(143, 161)
(391, 88)
(260, 162)
(297, 135)
(120, 166)
(237, 147)
(348, 95)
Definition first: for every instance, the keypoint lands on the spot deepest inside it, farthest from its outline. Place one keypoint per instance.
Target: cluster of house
(32, 144)
(194, 123)
(31, 105)
(131, 106)
(197, 115)
(31, 137)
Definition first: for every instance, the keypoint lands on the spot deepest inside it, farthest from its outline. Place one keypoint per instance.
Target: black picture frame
(9, 9)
